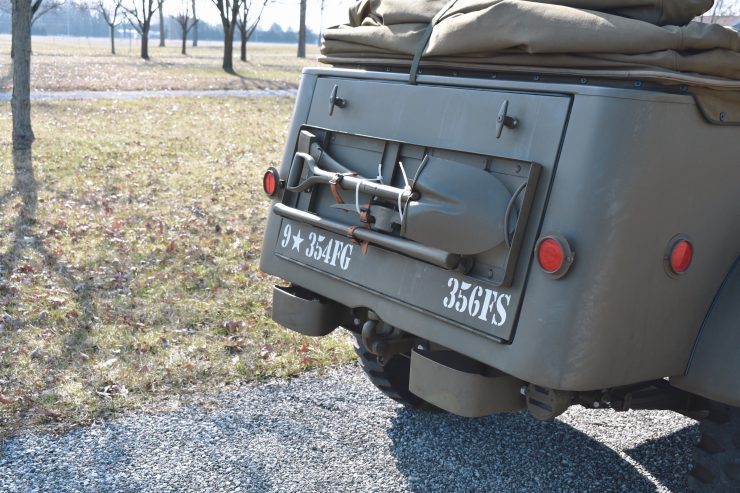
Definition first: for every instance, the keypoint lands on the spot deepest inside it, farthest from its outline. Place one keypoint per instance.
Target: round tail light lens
(682, 253)
(270, 182)
(554, 255)
(550, 255)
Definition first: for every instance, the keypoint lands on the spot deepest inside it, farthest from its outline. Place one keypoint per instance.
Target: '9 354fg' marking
(333, 252)
(476, 301)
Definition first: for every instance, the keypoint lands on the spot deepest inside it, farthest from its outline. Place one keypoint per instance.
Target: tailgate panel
(386, 129)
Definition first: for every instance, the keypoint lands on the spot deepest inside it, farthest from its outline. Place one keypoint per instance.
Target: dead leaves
(267, 352)
(140, 259)
(113, 390)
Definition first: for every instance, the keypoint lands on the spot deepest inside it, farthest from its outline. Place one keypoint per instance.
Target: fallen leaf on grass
(57, 302)
(109, 391)
(110, 362)
(266, 351)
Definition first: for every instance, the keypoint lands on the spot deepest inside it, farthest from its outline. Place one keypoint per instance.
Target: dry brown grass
(136, 274)
(67, 64)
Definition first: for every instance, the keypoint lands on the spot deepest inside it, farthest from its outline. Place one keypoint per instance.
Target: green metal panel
(714, 369)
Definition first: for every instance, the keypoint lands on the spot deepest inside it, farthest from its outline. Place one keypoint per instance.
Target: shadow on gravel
(664, 456)
(506, 453)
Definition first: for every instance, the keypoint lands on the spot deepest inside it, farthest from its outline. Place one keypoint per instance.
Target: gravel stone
(336, 433)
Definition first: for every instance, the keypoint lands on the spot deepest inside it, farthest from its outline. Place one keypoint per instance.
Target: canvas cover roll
(653, 37)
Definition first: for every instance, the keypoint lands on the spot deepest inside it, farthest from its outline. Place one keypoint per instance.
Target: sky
(284, 12)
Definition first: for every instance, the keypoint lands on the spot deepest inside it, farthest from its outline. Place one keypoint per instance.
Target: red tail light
(550, 255)
(682, 253)
(554, 255)
(271, 181)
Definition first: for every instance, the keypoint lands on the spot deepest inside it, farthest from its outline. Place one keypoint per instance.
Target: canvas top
(649, 39)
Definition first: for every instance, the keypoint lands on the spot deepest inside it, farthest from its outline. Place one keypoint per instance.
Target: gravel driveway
(336, 433)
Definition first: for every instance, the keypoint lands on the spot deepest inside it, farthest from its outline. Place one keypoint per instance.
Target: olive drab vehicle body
(504, 236)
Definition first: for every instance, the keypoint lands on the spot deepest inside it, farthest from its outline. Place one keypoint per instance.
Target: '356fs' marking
(476, 301)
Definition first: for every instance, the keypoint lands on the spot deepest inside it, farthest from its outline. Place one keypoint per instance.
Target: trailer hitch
(385, 340)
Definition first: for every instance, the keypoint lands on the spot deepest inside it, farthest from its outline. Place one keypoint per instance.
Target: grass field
(135, 280)
(66, 64)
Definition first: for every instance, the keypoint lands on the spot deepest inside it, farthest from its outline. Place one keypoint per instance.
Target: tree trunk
(228, 64)
(145, 42)
(195, 27)
(25, 184)
(21, 101)
(112, 40)
(184, 41)
(243, 34)
(161, 24)
(302, 32)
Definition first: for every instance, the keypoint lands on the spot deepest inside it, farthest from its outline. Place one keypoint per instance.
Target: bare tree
(229, 12)
(186, 23)
(721, 8)
(38, 9)
(108, 10)
(21, 100)
(161, 23)
(302, 31)
(195, 27)
(249, 17)
(321, 22)
(24, 182)
(141, 20)
(42, 7)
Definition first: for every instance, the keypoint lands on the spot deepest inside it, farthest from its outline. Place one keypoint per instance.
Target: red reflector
(681, 256)
(550, 255)
(270, 182)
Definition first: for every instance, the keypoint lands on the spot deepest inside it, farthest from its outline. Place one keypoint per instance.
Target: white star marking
(297, 240)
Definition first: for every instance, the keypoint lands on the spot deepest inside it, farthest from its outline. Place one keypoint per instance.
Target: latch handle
(334, 100)
(502, 120)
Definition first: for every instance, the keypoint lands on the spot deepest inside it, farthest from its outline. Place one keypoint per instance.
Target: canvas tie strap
(425, 40)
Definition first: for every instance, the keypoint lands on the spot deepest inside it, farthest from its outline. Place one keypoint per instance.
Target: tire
(717, 455)
(391, 378)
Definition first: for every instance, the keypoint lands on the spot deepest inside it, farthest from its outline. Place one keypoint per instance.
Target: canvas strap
(425, 40)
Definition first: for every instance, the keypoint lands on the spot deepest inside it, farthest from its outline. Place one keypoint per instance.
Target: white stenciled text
(330, 251)
(477, 302)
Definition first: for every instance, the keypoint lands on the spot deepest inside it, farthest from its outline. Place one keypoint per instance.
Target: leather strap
(363, 243)
(335, 183)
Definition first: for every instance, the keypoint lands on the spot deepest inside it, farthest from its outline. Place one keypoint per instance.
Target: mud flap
(306, 312)
(442, 378)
